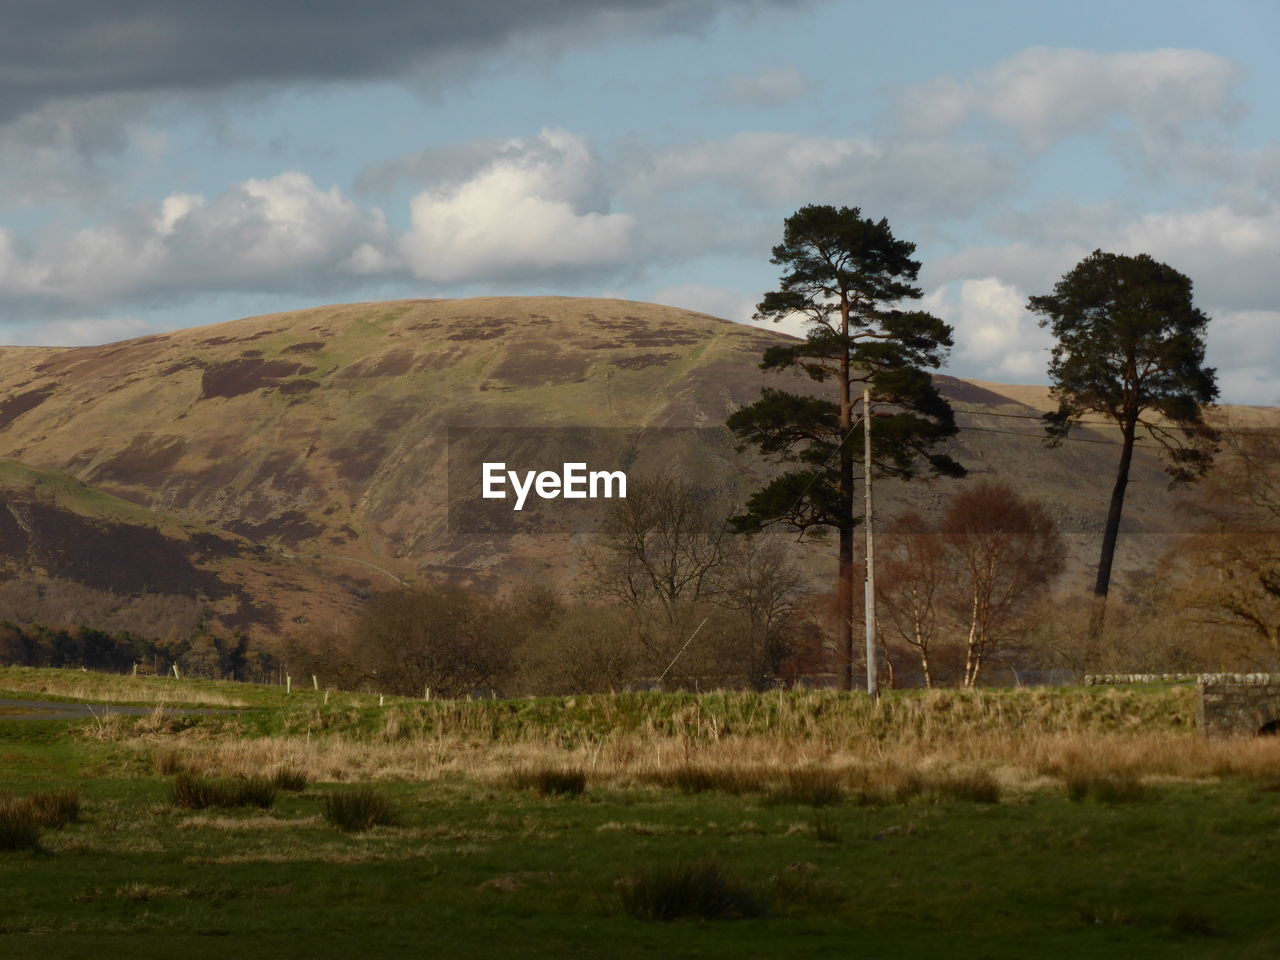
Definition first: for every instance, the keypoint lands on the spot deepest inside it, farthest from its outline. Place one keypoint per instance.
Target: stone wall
(1231, 704)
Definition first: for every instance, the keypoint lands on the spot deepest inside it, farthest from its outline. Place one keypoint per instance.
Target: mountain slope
(67, 546)
(323, 433)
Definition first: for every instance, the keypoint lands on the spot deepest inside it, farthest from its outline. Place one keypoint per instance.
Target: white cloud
(996, 337)
(768, 86)
(533, 210)
(937, 177)
(1043, 95)
(282, 232)
(1245, 347)
(1230, 255)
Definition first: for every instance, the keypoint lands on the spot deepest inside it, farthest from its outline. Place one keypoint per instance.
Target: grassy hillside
(323, 433)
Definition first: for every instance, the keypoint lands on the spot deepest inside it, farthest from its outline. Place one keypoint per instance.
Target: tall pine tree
(847, 277)
(1130, 347)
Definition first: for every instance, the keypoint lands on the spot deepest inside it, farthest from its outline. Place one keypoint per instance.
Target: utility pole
(869, 587)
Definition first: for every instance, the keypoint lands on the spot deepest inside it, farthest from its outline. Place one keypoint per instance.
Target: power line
(1036, 436)
(1109, 423)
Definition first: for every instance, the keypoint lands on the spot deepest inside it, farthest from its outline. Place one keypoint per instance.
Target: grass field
(1066, 823)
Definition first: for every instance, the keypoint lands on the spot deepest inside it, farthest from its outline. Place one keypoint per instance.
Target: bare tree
(757, 581)
(1001, 550)
(658, 548)
(442, 637)
(911, 584)
(1230, 569)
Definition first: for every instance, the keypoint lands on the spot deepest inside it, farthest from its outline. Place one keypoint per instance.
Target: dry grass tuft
(551, 780)
(700, 888)
(199, 793)
(363, 808)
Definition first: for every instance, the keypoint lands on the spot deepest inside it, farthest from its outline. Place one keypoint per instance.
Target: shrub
(809, 786)
(691, 778)
(1106, 788)
(55, 808)
(198, 793)
(976, 786)
(359, 809)
(550, 781)
(18, 828)
(168, 762)
(699, 889)
(291, 779)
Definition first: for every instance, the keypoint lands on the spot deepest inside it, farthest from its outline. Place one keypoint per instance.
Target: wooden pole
(869, 595)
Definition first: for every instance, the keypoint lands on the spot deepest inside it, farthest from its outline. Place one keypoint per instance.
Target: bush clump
(18, 827)
(552, 781)
(362, 808)
(810, 787)
(702, 889)
(291, 779)
(695, 778)
(1106, 788)
(975, 786)
(199, 793)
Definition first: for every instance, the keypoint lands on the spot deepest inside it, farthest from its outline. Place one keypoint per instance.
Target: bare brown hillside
(322, 433)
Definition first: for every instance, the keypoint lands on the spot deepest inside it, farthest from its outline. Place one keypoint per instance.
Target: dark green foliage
(699, 888)
(358, 809)
(1130, 344)
(198, 793)
(550, 781)
(845, 275)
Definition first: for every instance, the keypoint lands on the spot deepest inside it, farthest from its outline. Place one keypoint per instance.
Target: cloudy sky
(164, 164)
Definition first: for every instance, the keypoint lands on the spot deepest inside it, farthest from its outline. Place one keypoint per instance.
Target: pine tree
(846, 276)
(1130, 347)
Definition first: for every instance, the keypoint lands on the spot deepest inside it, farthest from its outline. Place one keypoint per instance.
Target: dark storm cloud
(52, 49)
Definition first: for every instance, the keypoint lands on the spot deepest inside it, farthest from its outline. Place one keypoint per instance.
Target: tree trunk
(844, 594)
(844, 584)
(1110, 534)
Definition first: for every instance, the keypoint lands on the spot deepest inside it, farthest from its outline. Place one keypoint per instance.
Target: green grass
(472, 867)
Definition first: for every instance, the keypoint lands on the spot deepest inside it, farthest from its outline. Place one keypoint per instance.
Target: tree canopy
(1130, 347)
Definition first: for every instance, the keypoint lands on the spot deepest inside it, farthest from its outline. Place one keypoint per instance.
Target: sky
(167, 165)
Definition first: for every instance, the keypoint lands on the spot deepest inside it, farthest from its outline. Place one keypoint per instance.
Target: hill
(74, 554)
(323, 434)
